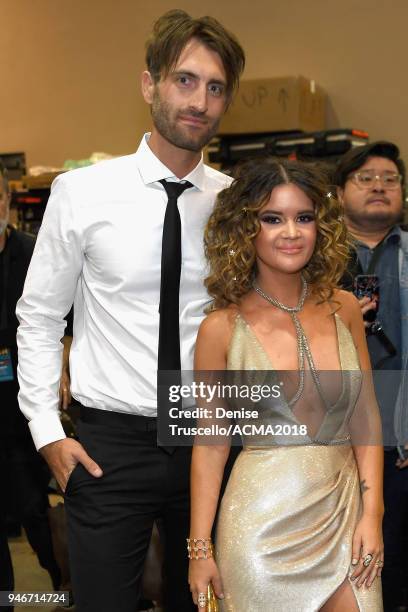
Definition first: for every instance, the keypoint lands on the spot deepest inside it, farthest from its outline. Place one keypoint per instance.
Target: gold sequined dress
(287, 518)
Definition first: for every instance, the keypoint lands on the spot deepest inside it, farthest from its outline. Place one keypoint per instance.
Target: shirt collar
(152, 169)
(393, 237)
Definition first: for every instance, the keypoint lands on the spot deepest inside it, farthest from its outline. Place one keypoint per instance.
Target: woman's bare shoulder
(219, 322)
(214, 336)
(347, 306)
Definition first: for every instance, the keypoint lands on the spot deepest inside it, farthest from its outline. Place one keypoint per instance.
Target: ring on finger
(367, 560)
(379, 563)
(202, 600)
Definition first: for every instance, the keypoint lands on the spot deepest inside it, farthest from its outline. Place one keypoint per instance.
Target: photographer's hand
(366, 304)
(402, 463)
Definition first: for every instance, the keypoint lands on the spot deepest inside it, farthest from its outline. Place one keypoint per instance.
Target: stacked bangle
(200, 548)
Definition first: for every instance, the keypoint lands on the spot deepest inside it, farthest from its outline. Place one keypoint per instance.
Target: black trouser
(27, 477)
(110, 518)
(395, 529)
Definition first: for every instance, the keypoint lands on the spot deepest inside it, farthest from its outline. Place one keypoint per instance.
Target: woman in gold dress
(299, 527)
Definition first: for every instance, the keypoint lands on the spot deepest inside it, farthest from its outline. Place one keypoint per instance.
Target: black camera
(368, 285)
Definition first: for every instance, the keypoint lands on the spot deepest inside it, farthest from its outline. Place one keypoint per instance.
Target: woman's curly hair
(233, 225)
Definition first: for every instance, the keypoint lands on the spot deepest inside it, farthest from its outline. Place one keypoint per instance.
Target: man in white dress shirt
(100, 245)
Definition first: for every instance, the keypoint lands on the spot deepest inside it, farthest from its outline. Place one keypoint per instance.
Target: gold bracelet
(200, 548)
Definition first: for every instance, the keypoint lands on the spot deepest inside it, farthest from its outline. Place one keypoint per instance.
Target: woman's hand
(201, 573)
(65, 389)
(367, 542)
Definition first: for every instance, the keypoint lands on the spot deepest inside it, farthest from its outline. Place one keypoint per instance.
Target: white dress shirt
(100, 246)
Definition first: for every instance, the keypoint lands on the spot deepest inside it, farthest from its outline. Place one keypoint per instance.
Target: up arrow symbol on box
(283, 98)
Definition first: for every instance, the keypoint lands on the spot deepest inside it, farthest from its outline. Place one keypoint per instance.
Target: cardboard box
(274, 105)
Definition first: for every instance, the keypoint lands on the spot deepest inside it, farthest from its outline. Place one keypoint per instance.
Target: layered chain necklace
(302, 344)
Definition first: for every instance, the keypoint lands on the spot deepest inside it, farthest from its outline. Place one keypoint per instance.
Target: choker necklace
(291, 310)
(302, 343)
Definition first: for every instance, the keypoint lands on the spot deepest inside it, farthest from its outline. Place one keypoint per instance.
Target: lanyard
(375, 257)
(356, 266)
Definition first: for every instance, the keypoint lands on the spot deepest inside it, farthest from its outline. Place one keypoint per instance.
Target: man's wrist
(46, 428)
(51, 445)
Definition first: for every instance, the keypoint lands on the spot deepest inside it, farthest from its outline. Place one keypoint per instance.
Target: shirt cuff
(45, 429)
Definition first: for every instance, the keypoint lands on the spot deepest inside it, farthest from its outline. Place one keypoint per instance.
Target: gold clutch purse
(212, 601)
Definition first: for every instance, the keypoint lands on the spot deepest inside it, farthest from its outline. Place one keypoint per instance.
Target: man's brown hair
(173, 30)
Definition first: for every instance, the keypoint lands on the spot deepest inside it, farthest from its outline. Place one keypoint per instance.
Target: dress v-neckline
(338, 322)
(285, 401)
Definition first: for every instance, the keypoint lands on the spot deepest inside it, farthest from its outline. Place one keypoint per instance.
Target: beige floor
(28, 574)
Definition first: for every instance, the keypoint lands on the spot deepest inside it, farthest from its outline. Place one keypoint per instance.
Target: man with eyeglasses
(371, 186)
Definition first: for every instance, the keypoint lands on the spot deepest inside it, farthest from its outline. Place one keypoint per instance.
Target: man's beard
(376, 220)
(3, 224)
(173, 133)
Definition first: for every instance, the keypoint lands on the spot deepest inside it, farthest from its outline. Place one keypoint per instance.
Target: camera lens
(370, 316)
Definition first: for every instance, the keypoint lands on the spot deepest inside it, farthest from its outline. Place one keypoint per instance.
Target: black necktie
(169, 330)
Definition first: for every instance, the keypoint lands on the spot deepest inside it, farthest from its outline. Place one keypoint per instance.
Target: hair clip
(329, 195)
(231, 252)
(244, 210)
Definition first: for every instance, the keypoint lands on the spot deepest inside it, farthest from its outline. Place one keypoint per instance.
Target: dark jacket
(20, 248)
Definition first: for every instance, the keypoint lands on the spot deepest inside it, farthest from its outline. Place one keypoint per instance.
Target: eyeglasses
(366, 179)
